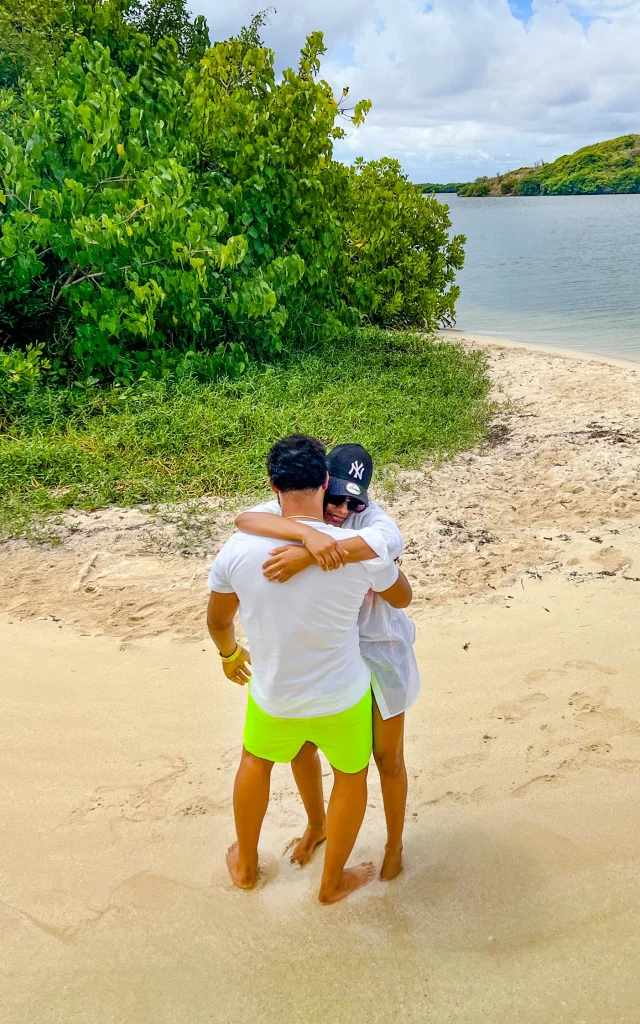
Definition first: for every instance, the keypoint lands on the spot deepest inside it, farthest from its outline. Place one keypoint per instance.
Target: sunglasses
(353, 504)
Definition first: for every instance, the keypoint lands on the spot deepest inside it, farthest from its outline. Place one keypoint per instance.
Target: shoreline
(493, 341)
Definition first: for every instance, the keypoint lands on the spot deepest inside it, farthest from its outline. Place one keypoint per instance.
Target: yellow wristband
(231, 657)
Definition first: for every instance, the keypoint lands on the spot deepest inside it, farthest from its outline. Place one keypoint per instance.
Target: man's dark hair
(297, 463)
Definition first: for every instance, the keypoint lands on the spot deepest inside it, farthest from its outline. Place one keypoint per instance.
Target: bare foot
(392, 863)
(352, 879)
(304, 847)
(241, 875)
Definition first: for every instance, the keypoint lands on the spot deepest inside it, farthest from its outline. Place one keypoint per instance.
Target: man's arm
(221, 612)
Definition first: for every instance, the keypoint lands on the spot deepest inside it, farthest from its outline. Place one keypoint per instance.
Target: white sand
(519, 902)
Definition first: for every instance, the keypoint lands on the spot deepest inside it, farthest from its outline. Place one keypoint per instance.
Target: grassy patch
(405, 398)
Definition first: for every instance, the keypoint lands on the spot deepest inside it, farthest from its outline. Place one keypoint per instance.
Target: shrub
(116, 242)
(160, 199)
(401, 262)
(479, 187)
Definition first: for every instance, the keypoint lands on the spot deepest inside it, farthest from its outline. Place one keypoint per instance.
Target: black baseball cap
(350, 470)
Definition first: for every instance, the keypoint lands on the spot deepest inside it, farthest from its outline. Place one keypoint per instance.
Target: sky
(462, 88)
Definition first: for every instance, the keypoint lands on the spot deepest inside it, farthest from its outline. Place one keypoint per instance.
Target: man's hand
(286, 562)
(238, 670)
(328, 552)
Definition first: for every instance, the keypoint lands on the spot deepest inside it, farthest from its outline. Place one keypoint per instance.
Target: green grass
(404, 397)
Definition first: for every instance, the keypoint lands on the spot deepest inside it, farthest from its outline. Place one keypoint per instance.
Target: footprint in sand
(454, 765)
(133, 802)
(612, 559)
(230, 758)
(203, 805)
(515, 711)
(545, 673)
(596, 748)
(592, 666)
(451, 797)
(623, 765)
(589, 711)
(538, 781)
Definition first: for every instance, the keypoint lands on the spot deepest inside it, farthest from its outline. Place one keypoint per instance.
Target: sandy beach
(120, 737)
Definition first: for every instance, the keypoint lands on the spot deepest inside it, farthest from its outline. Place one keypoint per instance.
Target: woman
(386, 634)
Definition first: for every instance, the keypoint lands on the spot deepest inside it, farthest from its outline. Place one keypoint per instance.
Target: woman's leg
(388, 751)
(344, 818)
(307, 772)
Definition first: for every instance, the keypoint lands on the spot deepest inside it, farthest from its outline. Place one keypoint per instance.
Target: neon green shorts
(345, 739)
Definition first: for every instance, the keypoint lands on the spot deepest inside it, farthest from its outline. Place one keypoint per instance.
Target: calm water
(562, 271)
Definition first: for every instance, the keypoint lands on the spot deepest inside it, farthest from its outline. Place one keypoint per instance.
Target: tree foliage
(402, 262)
(160, 197)
(451, 187)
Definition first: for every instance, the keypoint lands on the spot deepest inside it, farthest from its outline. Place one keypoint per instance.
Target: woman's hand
(238, 670)
(286, 562)
(328, 552)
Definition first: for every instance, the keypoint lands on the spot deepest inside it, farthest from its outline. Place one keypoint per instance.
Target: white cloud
(463, 87)
(604, 8)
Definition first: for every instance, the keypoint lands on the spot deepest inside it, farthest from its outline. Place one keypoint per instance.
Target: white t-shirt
(303, 635)
(387, 634)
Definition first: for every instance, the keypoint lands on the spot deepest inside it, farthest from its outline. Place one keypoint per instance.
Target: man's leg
(308, 775)
(344, 818)
(250, 800)
(388, 751)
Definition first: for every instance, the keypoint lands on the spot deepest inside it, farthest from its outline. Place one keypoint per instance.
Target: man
(309, 684)
(386, 635)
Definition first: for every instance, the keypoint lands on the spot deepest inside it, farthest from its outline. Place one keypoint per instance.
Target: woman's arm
(267, 524)
(289, 560)
(374, 517)
(400, 594)
(325, 550)
(328, 552)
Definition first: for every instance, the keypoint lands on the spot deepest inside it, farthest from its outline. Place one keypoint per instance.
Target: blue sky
(522, 9)
(462, 88)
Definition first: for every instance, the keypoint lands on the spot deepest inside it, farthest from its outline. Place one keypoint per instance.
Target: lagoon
(554, 270)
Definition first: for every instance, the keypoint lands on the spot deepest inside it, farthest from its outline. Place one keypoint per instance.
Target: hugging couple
(331, 664)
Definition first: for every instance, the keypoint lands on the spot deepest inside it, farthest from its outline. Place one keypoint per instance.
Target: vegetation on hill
(612, 166)
(452, 187)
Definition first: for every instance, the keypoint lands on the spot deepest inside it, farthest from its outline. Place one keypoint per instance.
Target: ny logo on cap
(357, 470)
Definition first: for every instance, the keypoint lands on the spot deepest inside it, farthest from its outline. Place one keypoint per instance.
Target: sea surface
(553, 270)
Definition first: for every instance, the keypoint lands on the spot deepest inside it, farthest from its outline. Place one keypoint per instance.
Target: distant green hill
(612, 166)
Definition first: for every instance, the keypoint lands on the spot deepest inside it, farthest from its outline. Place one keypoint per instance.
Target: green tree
(401, 261)
(113, 246)
(162, 19)
(270, 144)
(153, 211)
(32, 33)
(157, 199)
(479, 187)
(529, 187)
